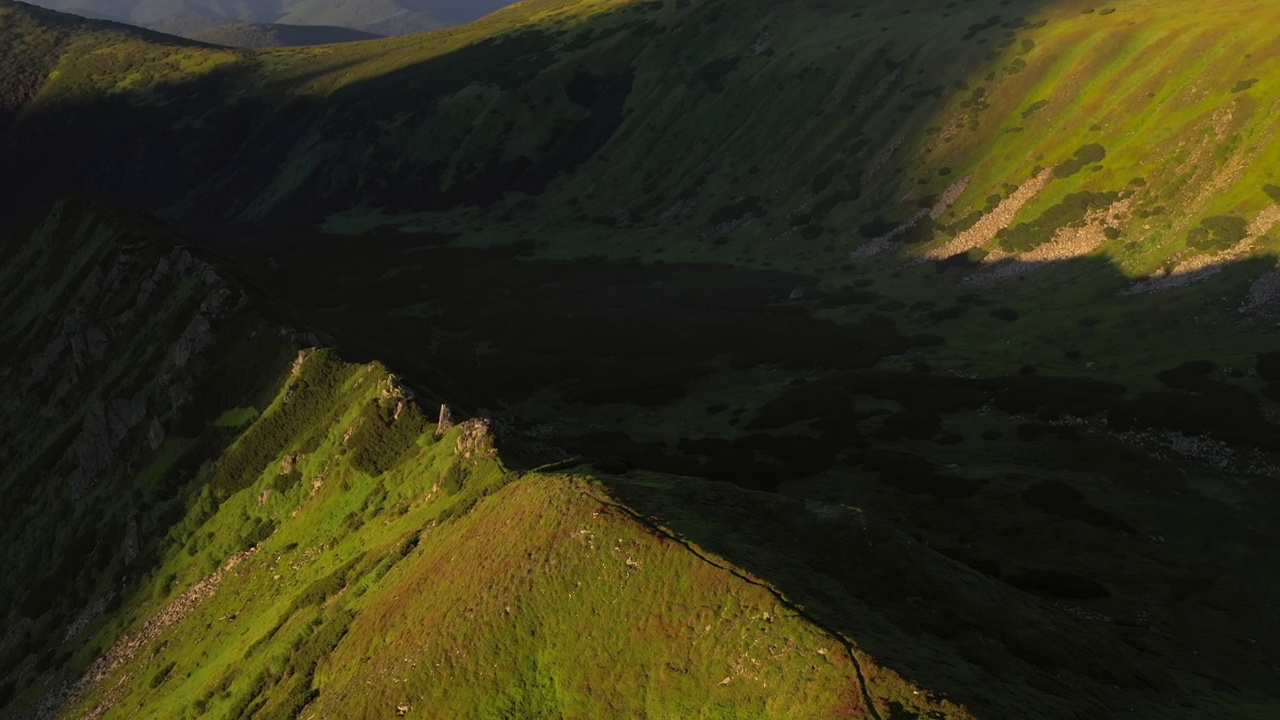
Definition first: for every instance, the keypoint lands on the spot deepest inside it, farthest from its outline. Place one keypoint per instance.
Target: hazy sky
(381, 16)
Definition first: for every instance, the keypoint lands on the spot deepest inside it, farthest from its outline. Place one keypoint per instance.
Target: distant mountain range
(256, 35)
(191, 17)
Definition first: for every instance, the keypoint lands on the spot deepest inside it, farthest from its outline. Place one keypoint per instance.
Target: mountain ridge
(950, 325)
(261, 35)
(322, 443)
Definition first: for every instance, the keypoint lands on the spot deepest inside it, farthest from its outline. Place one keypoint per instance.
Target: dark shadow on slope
(225, 145)
(979, 552)
(484, 327)
(120, 354)
(487, 319)
(215, 146)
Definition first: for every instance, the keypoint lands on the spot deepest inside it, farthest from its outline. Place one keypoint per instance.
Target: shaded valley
(879, 361)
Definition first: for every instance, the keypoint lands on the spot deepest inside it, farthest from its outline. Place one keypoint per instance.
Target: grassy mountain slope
(118, 365)
(376, 568)
(294, 540)
(864, 132)
(260, 35)
(983, 288)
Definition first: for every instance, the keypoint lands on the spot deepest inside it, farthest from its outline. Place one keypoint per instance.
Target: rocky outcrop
(475, 440)
(111, 333)
(1264, 295)
(985, 230)
(155, 434)
(104, 428)
(102, 292)
(194, 339)
(394, 387)
(445, 422)
(132, 541)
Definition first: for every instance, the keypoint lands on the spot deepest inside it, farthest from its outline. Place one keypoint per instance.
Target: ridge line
(867, 697)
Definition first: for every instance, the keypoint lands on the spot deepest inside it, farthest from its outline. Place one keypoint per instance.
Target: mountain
(228, 494)
(945, 328)
(260, 35)
(380, 17)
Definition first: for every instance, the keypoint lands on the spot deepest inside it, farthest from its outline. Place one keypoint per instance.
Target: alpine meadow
(660, 359)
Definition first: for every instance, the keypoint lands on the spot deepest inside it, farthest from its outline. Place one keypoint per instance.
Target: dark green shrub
(1073, 208)
(324, 588)
(1086, 155)
(1217, 233)
(1268, 366)
(258, 529)
(1192, 375)
(455, 477)
(1057, 584)
(747, 206)
(912, 424)
(712, 73)
(410, 543)
(162, 674)
(381, 438)
(307, 398)
(822, 180)
(877, 227)
(284, 483)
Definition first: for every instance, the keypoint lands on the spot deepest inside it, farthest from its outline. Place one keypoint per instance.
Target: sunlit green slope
(390, 568)
(796, 129)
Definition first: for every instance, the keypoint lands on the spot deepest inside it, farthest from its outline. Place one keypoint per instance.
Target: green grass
(585, 196)
(1124, 73)
(237, 417)
(373, 591)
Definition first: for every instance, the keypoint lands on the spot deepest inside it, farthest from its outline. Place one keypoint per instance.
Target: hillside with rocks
(745, 360)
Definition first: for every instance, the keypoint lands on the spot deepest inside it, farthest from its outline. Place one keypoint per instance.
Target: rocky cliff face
(121, 349)
(173, 304)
